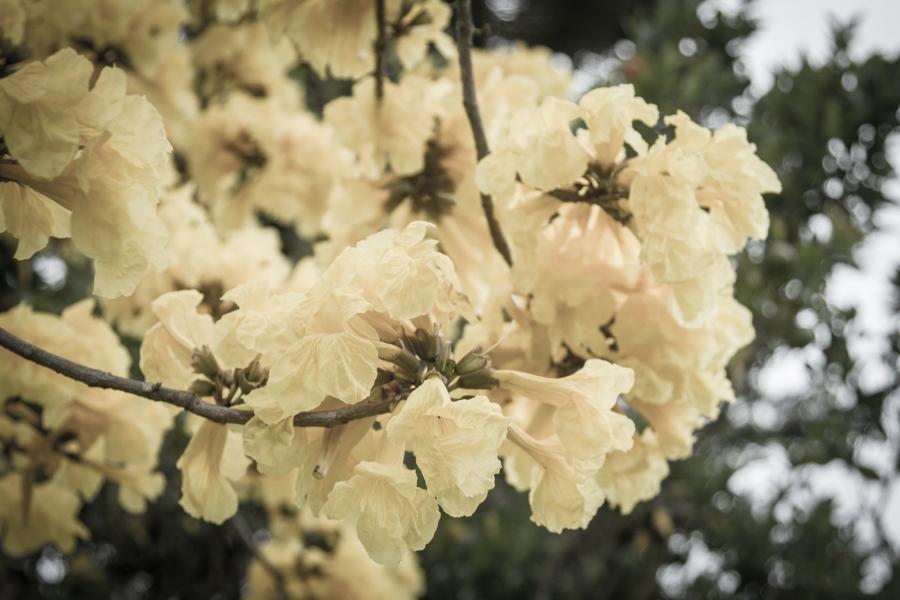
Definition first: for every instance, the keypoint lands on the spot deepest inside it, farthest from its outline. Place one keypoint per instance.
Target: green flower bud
(472, 362)
(204, 362)
(479, 380)
(406, 360)
(428, 344)
(202, 387)
(251, 377)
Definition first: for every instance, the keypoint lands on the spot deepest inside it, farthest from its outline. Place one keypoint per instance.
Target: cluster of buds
(225, 386)
(425, 354)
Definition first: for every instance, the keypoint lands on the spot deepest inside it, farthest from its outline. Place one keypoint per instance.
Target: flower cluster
(87, 161)
(427, 364)
(60, 440)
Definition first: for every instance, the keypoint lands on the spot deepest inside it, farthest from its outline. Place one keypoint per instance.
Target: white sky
(791, 27)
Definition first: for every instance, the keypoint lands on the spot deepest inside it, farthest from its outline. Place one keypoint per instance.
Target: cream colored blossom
(390, 133)
(341, 50)
(609, 113)
(249, 155)
(31, 218)
(633, 476)
(541, 149)
(577, 270)
(200, 257)
(107, 152)
(455, 444)
(139, 33)
(74, 436)
(328, 359)
(587, 426)
(210, 463)
(344, 50)
(167, 347)
(561, 496)
(51, 517)
(736, 179)
(231, 59)
(390, 513)
(37, 120)
(533, 63)
(344, 569)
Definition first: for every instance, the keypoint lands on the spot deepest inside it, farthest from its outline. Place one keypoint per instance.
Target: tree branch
(243, 530)
(180, 398)
(380, 49)
(470, 103)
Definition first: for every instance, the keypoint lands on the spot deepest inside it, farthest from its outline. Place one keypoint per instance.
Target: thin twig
(380, 49)
(243, 531)
(470, 103)
(189, 401)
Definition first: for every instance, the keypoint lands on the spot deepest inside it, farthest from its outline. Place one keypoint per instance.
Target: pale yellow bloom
(167, 346)
(541, 148)
(633, 476)
(609, 113)
(389, 512)
(210, 463)
(345, 49)
(561, 496)
(107, 152)
(587, 426)
(455, 444)
(344, 570)
(391, 133)
(37, 120)
(51, 517)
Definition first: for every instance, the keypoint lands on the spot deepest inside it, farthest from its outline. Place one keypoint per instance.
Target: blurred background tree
(785, 493)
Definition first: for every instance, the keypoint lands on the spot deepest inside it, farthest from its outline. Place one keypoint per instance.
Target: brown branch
(243, 530)
(189, 401)
(380, 49)
(470, 103)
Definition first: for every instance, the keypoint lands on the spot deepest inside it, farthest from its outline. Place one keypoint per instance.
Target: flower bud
(428, 344)
(479, 380)
(472, 362)
(202, 387)
(251, 377)
(406, 360)
(204, 362)
(443, 354)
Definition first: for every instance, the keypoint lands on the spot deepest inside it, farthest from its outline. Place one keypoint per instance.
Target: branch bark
(181, 398)
(246, 535)
(380, 49)
(470, 103)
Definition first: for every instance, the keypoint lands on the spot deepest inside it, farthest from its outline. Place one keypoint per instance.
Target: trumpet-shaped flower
(455, 444)
(390, 512)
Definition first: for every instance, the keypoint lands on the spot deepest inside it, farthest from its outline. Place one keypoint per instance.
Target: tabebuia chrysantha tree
(503, 281)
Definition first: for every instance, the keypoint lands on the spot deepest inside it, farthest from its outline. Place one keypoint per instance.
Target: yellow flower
(389, 512)
(211, 462)
(455, 444)
(540, 147)
(609, 113)
(51, 517)
(561, 496)
(633, 476)
(167, 347)
(99, 154)
(587, 426)
(37, 120)
(392, 132)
